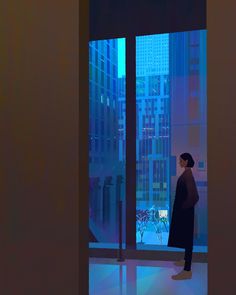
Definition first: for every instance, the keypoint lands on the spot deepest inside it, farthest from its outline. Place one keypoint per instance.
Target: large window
(171, 108)
(171, 119)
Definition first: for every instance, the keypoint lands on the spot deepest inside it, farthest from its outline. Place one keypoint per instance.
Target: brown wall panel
(221, 146)
(39, 147)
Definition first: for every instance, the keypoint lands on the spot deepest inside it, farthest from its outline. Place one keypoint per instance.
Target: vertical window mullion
(131, 142)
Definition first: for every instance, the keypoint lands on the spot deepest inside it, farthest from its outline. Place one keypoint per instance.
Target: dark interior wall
(39, 147)
(221, 146)
(110, 19)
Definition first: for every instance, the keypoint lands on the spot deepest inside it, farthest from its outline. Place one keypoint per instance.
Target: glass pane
(171, 119)
(106, 140)
(188, 70)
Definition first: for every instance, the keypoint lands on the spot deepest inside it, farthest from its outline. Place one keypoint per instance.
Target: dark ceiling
(122, 18)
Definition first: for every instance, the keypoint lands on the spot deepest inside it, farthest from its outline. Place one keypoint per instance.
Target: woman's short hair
(187, 156)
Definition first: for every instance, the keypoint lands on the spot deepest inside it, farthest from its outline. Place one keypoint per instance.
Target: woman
(182, 222)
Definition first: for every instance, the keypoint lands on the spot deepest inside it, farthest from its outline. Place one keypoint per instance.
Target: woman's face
(183, 163)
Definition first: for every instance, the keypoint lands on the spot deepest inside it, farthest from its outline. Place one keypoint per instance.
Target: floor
(143, 277)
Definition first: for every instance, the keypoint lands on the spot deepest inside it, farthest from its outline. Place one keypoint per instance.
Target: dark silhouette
(182, 222)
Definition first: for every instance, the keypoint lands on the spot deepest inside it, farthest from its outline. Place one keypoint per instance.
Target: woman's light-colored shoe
(179, 263)
(183, 275)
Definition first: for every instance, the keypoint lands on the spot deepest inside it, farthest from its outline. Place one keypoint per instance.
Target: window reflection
(171, 119)
(106, 143)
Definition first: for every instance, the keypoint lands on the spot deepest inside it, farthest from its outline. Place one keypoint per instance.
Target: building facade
(105, 169)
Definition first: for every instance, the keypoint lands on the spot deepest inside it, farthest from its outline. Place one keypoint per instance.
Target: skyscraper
(104, 166)
(189, 114)
(152, 121)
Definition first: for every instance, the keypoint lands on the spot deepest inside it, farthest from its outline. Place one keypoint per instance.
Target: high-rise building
(104, 166)
(152, 55)
(189, 115)
(170, 120)
(152, 120)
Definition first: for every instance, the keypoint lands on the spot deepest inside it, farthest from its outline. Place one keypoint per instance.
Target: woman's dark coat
(182, 222)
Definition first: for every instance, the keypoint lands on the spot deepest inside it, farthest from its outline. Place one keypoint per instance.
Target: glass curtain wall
(171, 118)
(106, 140)
(152, 138)
(171, 108)
(188, 80)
